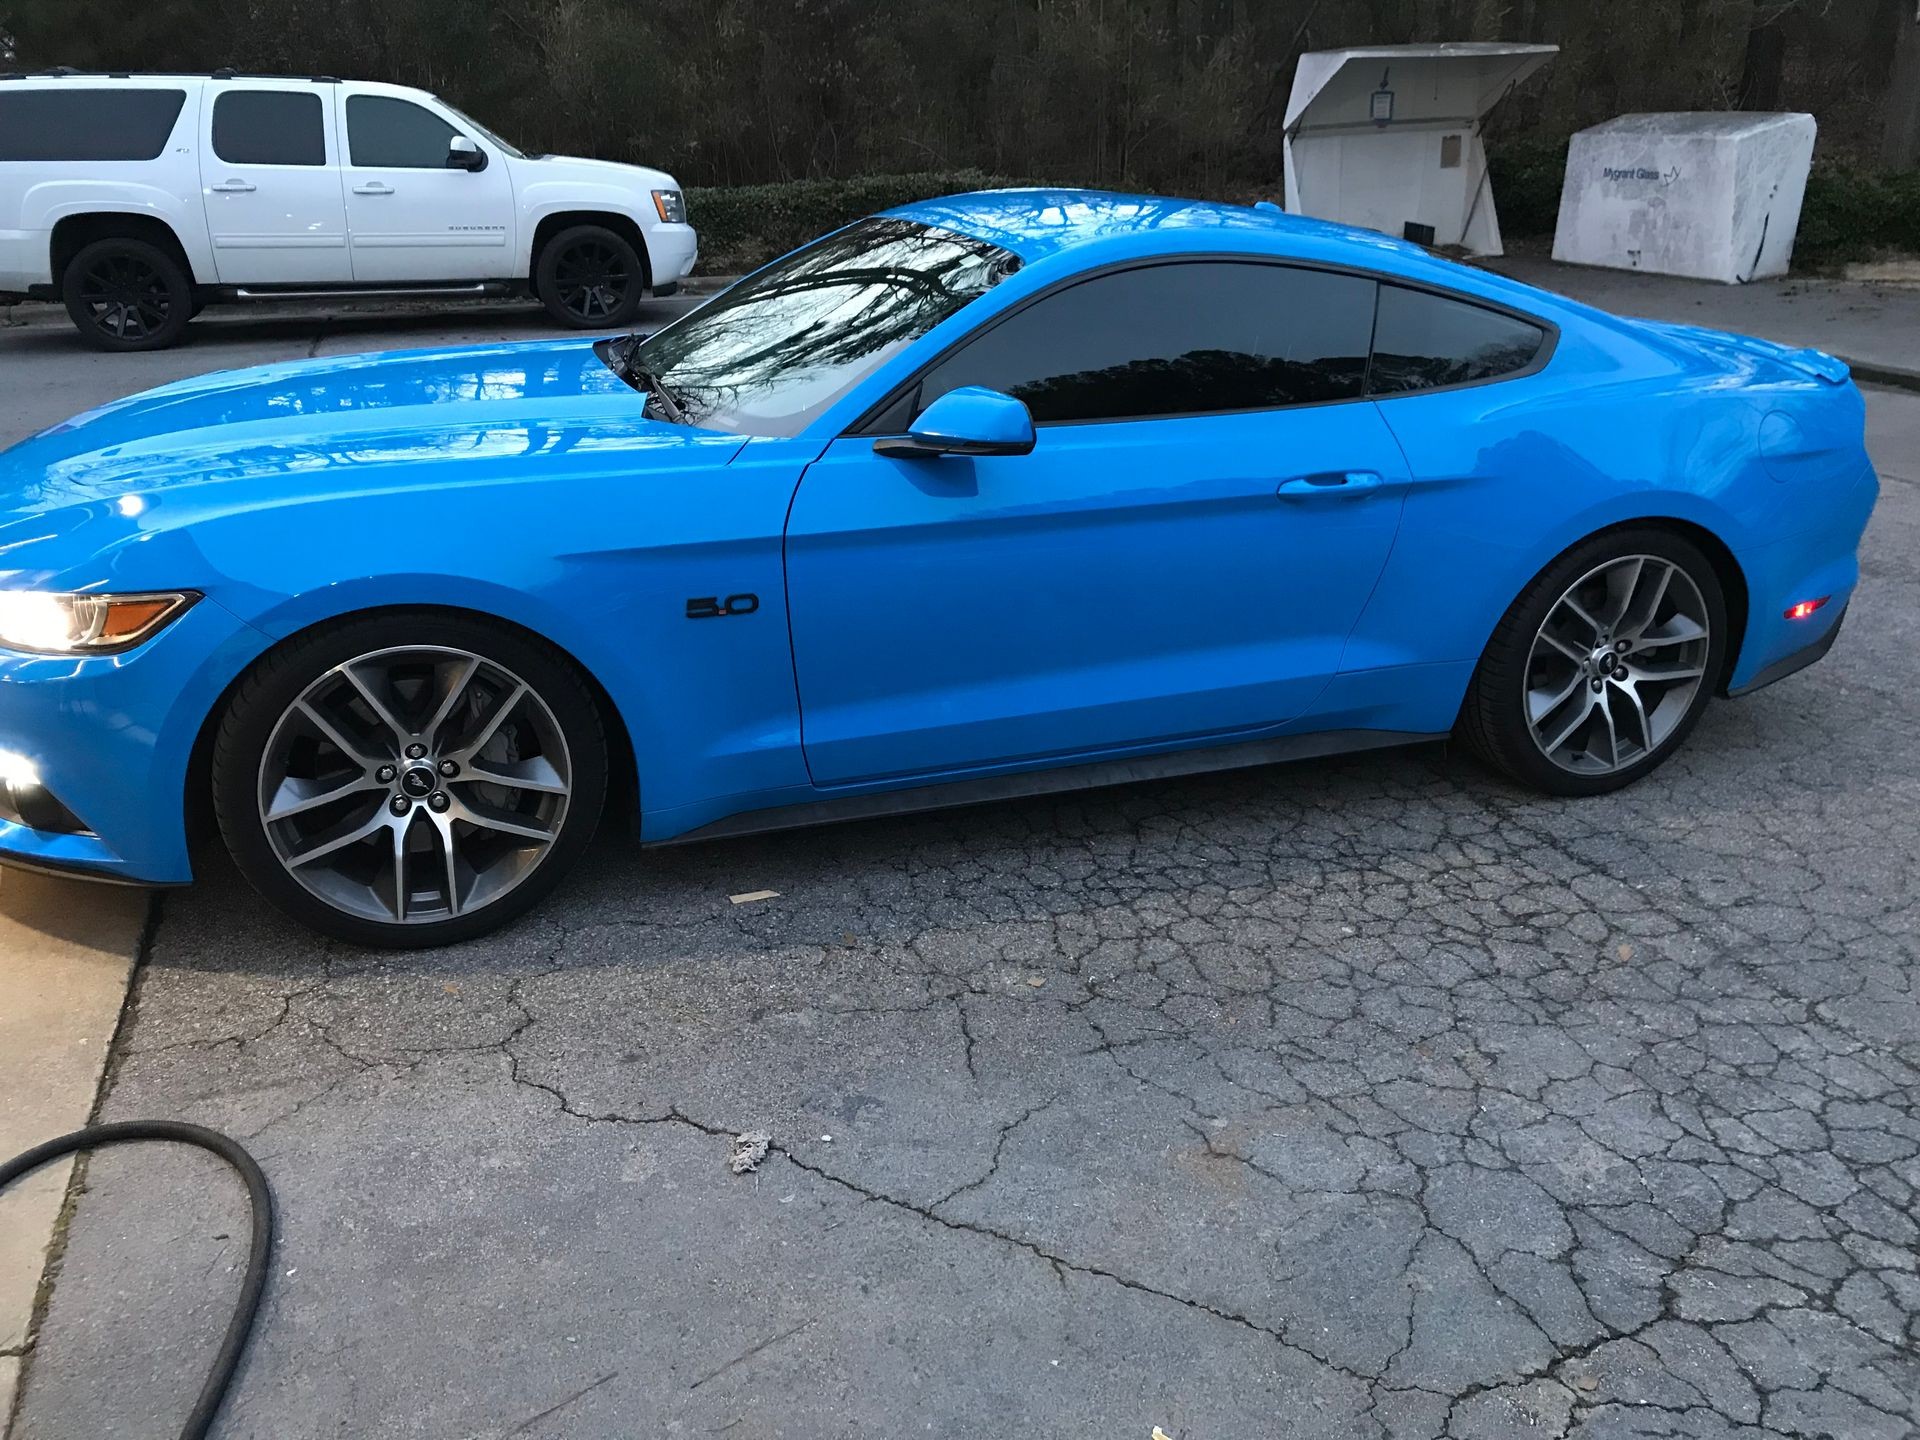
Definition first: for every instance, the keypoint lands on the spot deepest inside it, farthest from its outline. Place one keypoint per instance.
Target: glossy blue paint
(1125, 588)
(973, 420)
(1124, 582)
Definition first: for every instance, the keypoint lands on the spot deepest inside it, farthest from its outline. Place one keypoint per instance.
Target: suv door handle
(1331, 486)
(373, 187)
(232, 187)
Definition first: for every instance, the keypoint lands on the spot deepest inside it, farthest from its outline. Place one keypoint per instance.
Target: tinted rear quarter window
(87, 123)
(1175, 339)
(269, 127)
(395, 134)
(1422, 341)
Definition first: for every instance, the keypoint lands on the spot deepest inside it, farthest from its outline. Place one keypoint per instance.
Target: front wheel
(590, 278)
(409, 779)
(1601, 667)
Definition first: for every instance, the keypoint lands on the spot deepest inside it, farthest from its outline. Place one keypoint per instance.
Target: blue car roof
(1036, 223)
(1042, 224)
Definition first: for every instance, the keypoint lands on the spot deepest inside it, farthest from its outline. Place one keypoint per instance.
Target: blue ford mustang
(991, 494)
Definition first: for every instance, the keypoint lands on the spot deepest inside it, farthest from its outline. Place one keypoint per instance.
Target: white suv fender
(563, 189)
(48, 202)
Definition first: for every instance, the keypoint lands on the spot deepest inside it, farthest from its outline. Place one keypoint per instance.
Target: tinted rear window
(269, 127)
(1176, 339)
(87, 123)
(1422, 341)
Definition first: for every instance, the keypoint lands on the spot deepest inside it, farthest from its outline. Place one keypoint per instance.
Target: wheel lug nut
(1599, 684)
(385, 774)
(416, 750)
(449, 769)
(438, 802)
(399, 805)
(1621, 646)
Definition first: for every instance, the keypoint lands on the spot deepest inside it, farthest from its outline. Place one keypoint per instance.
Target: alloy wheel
(1615, 666)
(125, 297)
(414, 785)
(592, 278)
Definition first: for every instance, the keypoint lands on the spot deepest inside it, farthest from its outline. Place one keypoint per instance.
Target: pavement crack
(754, 1350)
(532, 1420)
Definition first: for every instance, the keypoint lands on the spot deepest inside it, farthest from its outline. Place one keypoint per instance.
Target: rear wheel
(1602, 666)
(125, 294)
(409, 779)
(590, 278)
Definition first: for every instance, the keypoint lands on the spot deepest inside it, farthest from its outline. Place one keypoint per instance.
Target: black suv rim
(126, 297)
(593, 279)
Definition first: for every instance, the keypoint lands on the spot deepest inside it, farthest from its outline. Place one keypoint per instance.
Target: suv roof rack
(57, 72)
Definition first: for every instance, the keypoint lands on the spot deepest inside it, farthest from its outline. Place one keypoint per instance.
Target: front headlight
(672, 206)
(47, 623)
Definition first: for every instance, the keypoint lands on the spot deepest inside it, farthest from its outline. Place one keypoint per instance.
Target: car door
(411, 215)
(1182, 556)
(270, 182)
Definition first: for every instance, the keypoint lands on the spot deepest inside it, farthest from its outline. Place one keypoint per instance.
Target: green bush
(744, 226)
(1526, 176)
(1853, 214)
(1849, 214)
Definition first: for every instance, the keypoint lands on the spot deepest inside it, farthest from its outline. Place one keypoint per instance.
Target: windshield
(776, 350)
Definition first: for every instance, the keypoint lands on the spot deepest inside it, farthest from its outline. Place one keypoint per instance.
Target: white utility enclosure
(1388, 136)
(1714, 196)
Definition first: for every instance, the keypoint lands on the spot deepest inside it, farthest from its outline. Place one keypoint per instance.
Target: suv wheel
(1601, 667)
(125, 294)
(410, 778)
(589, 278)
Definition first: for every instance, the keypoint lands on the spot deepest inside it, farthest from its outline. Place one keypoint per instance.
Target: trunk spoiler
(1815, 363)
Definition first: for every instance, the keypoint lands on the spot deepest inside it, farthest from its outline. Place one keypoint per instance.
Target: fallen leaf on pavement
(749, 1150)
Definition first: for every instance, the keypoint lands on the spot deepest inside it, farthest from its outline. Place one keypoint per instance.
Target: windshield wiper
(635, 372)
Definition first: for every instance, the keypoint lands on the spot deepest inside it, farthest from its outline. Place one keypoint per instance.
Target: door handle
(232, 187)
(373, 187)
(1333, 485)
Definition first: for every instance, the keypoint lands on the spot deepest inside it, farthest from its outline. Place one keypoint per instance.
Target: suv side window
(89, 123)
(392, 134)
(269, 127)
(1179, 338)
(1422, 341)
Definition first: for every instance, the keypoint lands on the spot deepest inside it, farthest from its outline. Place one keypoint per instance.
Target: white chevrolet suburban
(136, 199)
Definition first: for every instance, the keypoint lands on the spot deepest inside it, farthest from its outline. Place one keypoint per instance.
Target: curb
(1889, 376)
(33, 314)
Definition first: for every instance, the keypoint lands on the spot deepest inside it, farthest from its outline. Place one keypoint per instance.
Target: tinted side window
(88, 123)
(395, 134)
(1422, 341)
(269, 127)
(1175, 339)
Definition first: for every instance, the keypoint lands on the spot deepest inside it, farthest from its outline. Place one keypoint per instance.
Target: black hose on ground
(178, 1132)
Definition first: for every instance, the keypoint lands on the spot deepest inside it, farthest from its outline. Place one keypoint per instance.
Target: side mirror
(463, 154)
(972, 420)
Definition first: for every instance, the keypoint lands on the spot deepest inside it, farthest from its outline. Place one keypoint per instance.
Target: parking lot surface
(1367, 1098)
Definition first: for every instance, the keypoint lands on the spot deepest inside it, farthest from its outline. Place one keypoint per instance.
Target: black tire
(1494, 719)
(265, 694)
(590, 278)
(125, 294)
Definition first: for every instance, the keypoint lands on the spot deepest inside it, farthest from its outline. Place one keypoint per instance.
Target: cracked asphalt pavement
(1367, 1098)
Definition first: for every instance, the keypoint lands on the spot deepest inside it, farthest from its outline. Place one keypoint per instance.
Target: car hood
(579, 168)
(278, 432)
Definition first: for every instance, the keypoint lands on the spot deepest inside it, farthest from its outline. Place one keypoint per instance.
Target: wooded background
(1178, 95)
